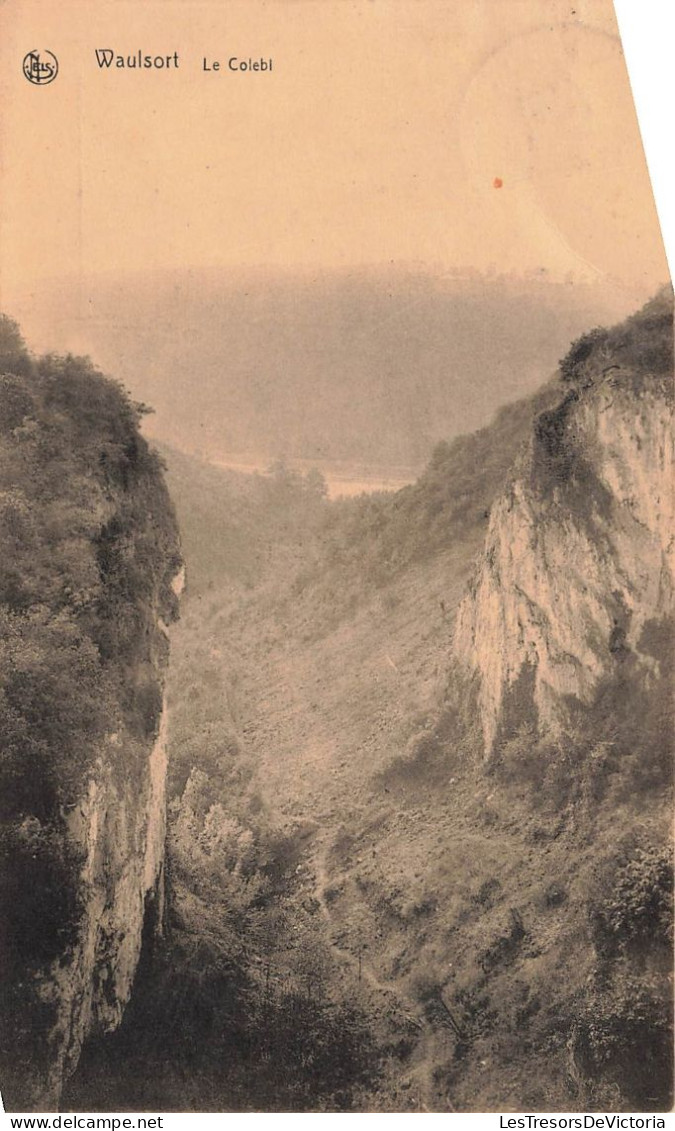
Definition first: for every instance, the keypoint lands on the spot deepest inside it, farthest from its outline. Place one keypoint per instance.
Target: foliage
(636, 350)
(637, 903)
(54, 707)
(217, 858)
(14, 357)
(235, 526)
(90, 546)
(625, 1037)
(573, 363)
(38, 889)
(244, 1043)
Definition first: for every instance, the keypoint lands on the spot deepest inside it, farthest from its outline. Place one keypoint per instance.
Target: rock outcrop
(120, 827)
(578, 561)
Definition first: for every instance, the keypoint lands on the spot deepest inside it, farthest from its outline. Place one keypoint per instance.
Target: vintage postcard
(336, 574)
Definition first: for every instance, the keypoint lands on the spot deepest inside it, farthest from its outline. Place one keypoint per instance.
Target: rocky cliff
(578, 563)
(121, 834)
(88, 586)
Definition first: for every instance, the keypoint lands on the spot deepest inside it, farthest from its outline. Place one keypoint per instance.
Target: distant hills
(369, 366)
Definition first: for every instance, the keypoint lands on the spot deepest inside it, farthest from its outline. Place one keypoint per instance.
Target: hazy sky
(379, 135)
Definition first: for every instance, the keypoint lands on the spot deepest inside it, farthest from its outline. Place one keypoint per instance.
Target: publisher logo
(40, 67)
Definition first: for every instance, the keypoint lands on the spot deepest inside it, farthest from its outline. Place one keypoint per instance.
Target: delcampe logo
(40, 67)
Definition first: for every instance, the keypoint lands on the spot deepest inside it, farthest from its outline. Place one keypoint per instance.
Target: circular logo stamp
(40, 67)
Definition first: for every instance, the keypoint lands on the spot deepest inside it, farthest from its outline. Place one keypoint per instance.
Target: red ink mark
(497, 183)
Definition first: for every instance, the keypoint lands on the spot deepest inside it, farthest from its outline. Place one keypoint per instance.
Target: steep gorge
(480, 768)
(419, 792)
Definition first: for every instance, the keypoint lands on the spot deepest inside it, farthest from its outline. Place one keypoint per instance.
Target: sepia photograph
(336, 562)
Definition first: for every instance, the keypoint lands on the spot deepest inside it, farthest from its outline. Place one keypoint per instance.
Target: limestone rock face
(579, 552)
(120, 827)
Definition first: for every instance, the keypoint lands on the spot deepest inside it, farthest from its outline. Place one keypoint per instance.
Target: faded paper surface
(330, 237)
